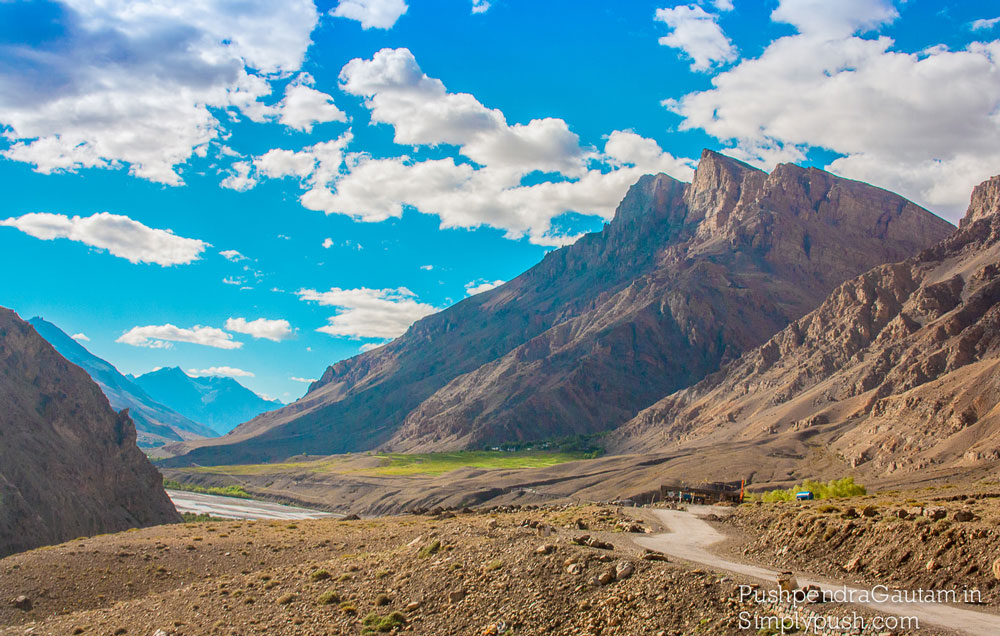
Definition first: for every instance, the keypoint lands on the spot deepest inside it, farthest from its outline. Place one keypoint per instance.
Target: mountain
(683, 279)
(896, 373)
(156, 424)
(69, 464)
(219, 402)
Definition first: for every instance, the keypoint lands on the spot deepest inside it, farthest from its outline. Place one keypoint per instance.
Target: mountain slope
(685, 277)
(155, 423)
(897, 371)
(69, 465)
(219, 402)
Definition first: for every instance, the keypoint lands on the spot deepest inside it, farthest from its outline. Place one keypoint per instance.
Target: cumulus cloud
(924, 124)
(304, 106)
(698, 34)
(834, 19)
(275, 330)
(984, 24)
(368, 313)
(372, 14)
(226, 372)
(327, 243)
(119, 235)
(480, 6)
(239, 178)
(162, 337)
(80, 337)
(481, 285)
(135, 83)
(488, 191)
(303, 380)
(232, 255)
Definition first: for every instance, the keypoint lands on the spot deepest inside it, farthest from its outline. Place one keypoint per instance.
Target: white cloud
(368, 346)
(239, 178)
(926, 124)
(368, 313)
(119, 235)
(480, 6)
(698, 34)
(423, 112)
(834, 19)
(304, 106)
(372, 14)
(487, 192)
(232, 255)
(723, 5)
(276, 330)
(427, 268)
(234, 280)
(481, 285)
(161, 337)
(984, 24)
(133, 84)
(327, 243)
(80, 337)
(227, 372)
(303, 380)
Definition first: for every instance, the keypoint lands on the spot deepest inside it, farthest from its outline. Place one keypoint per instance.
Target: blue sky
(207, 185)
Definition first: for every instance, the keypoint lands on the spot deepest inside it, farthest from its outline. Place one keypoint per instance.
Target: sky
(259, 189)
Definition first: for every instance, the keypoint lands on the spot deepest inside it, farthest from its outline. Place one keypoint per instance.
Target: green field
(225, 491)
(440, 463)
(401, 464)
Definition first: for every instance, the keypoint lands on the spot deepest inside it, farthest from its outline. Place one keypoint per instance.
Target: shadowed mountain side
(684, 278)
(69, 465)
(897, 372)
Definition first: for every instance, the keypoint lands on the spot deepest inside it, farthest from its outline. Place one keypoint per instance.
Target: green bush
(373, 623)
(328, 597)
(835, 489)
(227, 491)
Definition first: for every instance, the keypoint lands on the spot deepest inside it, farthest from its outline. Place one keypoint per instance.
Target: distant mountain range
(219, 402)
(69, 466)
(167, 405)
(155, 423)
(685, 279)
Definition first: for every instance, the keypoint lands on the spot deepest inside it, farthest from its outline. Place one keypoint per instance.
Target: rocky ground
(451, 573)
(932, 538)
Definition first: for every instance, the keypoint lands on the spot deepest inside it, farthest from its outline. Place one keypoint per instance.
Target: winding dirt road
(690, 537)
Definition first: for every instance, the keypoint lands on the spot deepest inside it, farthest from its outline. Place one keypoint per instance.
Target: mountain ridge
(683, 279)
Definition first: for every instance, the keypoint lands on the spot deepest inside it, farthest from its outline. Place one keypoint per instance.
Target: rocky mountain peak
(985, 201)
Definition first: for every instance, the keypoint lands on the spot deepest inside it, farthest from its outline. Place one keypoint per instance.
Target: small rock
(548, 548)
(574, 568)
(23, 603)
(996, 569)
(456, 595)
(650, 555)
(853, 565)
(412, 606)
(935, 513)
(606, 578)
(351, 518)
(623, 570)
(964, 515)
(869, 511)
(931, 565)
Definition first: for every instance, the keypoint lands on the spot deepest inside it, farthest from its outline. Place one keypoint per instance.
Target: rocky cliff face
(897, 371)
(684, 278)
(69, 465)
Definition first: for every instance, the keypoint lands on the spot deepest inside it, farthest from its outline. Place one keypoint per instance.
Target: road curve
(236, 508)
(690, 537)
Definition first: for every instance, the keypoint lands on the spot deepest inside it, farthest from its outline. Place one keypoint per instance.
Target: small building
(703, 493)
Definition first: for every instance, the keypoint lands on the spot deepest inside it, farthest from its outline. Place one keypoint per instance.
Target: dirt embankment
(928, 539)
(452, 573)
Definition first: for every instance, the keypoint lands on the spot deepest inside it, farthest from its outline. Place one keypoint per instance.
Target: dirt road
(690, 537)
(236, 508)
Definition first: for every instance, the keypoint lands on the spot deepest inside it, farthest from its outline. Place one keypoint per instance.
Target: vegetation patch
(225, 491)
(400, 464)
(834, 489)
(373, 623)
